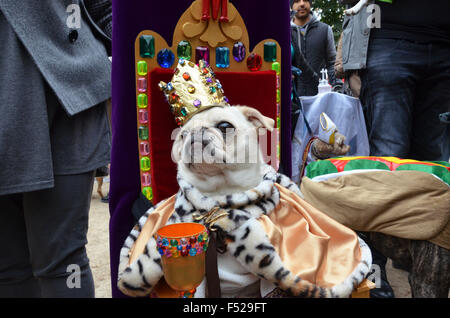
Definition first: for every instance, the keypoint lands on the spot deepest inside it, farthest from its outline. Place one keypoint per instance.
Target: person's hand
(323, 150)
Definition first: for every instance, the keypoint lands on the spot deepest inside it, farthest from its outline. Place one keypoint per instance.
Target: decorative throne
(246, 43)
(249, 76)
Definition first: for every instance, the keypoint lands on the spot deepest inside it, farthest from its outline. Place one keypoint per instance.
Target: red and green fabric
(440, 169)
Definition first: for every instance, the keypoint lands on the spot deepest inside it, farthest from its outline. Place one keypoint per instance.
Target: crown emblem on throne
(193, 89)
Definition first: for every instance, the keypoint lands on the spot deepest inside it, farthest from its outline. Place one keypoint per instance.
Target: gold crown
(193, 89)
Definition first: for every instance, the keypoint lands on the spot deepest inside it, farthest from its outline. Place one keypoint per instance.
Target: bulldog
(225, 184)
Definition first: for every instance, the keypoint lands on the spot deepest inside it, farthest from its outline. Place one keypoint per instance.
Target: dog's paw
(323, 150)
(138, 278)
(339, 148)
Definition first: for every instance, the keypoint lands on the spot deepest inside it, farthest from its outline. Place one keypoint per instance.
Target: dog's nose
(199, 136)
(204, 142)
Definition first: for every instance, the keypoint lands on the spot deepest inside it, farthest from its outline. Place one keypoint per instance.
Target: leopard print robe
(246, 241)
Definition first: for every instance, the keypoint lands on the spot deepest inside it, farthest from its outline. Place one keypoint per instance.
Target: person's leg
(379, 260)
(430, 273)
(57, 225)
(16, 276)
(388, 87)
(395, 248)
(431, 136)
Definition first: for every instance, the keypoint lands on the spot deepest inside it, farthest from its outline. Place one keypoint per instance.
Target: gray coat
(355, 40)
(78, 71)
(54, 81)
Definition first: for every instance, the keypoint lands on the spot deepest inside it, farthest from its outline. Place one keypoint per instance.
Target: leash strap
(212, 273)
(297, 100)
(305, 155)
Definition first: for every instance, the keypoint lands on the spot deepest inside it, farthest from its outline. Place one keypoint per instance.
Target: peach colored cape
(310, 244)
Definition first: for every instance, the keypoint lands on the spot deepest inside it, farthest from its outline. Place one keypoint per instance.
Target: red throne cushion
(254, 89)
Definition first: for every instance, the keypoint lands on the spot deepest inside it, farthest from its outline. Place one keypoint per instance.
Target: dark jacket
(318, 51)
(98, 14)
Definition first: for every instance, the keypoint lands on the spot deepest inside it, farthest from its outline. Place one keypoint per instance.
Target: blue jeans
(404, 89)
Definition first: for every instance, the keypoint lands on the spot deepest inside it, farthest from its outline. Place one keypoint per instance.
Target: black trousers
(43, 236)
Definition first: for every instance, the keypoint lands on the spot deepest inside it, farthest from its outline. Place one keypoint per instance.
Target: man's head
(302, 8)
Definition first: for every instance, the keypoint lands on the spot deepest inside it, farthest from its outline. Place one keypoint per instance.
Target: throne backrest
(249, 76)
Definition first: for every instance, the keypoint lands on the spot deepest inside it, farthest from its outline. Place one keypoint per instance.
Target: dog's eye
(225, 127)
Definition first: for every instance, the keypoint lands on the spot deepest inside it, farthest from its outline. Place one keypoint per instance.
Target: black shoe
(385, 290)
(105, 199)
(379, 260)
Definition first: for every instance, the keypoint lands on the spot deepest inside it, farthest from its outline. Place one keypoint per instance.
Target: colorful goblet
(183, 247)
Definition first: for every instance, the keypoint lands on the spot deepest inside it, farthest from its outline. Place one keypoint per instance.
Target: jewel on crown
(193, 89)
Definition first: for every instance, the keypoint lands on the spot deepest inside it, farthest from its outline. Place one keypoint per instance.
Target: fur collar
(246, 240)
(235, 208)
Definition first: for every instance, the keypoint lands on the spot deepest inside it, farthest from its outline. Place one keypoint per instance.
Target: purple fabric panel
(264, 19)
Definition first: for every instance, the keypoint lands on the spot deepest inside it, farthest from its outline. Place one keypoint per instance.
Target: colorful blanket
(404, 198)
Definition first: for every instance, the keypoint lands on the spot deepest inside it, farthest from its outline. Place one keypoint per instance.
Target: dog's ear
(177, 145)
(256, 118)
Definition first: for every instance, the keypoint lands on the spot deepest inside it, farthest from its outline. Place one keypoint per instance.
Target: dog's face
(218, 148)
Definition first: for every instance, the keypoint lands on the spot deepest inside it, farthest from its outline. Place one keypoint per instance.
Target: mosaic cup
(183, 247)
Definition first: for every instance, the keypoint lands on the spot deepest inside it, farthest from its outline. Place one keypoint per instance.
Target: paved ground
(98, 251)
(98, 243)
